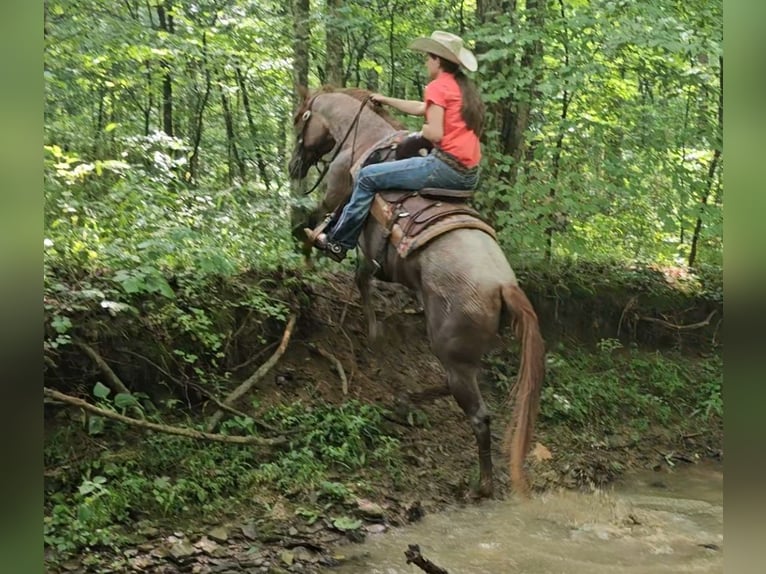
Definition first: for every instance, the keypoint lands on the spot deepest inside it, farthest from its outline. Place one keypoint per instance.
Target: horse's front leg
(364, 274)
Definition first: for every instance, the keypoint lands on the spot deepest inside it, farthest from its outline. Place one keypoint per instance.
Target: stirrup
(335, 251)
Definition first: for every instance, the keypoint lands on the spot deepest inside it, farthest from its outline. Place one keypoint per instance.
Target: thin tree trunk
(301, 34)
(99, 122)
(392, 67)
(198, 126)
(334, 45)
(530, 59)
(711, 169)
(565, 101)
(150, 104)
(235, 160)
(166, 24)
(256, 142)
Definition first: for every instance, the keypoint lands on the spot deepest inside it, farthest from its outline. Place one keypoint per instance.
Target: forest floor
(277, 531)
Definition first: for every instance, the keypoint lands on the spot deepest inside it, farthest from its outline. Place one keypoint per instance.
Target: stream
(651, 522)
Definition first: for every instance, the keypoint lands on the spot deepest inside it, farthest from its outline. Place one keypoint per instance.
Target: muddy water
(654, 522)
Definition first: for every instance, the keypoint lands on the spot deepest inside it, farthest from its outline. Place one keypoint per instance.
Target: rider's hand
(378, 99)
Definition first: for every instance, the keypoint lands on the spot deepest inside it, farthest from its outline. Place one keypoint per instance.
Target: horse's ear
(303, 91)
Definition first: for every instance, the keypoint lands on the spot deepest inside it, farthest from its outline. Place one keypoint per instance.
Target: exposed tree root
(242, 389)
(167, 429)
(334, 360)
(112, 380)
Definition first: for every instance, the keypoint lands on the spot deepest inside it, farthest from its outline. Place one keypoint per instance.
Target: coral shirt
(457, 139)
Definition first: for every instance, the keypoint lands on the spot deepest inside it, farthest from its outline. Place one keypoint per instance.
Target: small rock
(415, 512)
(206, 545)
(293, 531)
(376, 528)
(181, 549)
(287, 557)
(249, 530)
(140, 562)
(219, 534)
(369, 509)
(179, 534)
(71, 565)
(304, 554)
(149, 531)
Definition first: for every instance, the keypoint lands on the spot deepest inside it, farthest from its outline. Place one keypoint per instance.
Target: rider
(454, 114)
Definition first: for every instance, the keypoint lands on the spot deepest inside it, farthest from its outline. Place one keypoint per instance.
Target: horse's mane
(360, 94)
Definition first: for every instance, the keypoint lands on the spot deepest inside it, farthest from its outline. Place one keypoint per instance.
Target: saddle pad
(413, 220)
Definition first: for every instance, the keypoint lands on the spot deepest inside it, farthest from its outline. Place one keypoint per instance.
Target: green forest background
(168, 126)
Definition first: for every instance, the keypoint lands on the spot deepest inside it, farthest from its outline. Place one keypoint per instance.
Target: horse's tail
(525, 393)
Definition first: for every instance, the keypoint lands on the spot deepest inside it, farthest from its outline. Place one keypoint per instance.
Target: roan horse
(462, 278)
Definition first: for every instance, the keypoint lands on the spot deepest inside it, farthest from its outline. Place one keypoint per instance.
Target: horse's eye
(306, 115)
(300, 141)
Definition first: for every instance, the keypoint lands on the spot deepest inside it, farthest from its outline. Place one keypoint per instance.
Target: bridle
(354, 126)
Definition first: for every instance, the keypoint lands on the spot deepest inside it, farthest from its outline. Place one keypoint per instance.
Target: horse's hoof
(485, 491)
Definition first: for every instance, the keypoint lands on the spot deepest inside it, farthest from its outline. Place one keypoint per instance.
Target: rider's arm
(433, 129)
(411, 107)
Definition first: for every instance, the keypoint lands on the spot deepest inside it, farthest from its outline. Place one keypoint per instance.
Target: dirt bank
(276, 531)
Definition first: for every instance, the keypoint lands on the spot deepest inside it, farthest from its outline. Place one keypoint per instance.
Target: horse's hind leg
(461, 378)
(364, 275)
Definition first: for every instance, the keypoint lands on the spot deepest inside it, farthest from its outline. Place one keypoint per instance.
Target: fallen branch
(190, 433)
(258, 375)
(110, 376)
(208, 394)
(414, 557)
(333, 359)
(681, 327)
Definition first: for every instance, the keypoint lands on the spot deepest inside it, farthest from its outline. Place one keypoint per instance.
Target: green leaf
(101, 391)
(124, 400)
(95, 425)
(61, 324)
(344, 523)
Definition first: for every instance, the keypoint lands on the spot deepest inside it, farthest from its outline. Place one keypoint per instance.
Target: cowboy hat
(447, 46)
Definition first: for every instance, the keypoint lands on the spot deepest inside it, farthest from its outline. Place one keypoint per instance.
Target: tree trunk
(711, 169)
(196, 128)
(164, 14)
(393, 7)
(566, 98)
(234, 158)
(530, 60)
(334, 45)
(255, 140)
(301, 32)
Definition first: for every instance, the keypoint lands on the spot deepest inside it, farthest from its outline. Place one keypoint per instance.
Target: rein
(354, 126)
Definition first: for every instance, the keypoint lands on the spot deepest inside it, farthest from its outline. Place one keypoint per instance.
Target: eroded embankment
(633, 382)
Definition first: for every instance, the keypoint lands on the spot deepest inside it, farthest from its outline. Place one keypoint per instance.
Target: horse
(462, 278)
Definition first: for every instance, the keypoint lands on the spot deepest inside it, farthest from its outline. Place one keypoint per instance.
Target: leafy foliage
(616, 386)
(168, 476)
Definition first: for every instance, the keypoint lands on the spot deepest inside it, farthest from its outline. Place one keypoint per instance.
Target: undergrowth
(91, 498)
(616, 387)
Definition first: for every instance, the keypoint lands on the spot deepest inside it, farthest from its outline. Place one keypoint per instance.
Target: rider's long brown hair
(473, 108)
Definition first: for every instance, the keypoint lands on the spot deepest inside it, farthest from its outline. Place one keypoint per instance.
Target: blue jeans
(412, 174)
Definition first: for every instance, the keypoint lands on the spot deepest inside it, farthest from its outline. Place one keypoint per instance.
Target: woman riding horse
(454, 116)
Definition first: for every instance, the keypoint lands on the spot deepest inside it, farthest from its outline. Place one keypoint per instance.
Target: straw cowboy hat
(449, 47)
